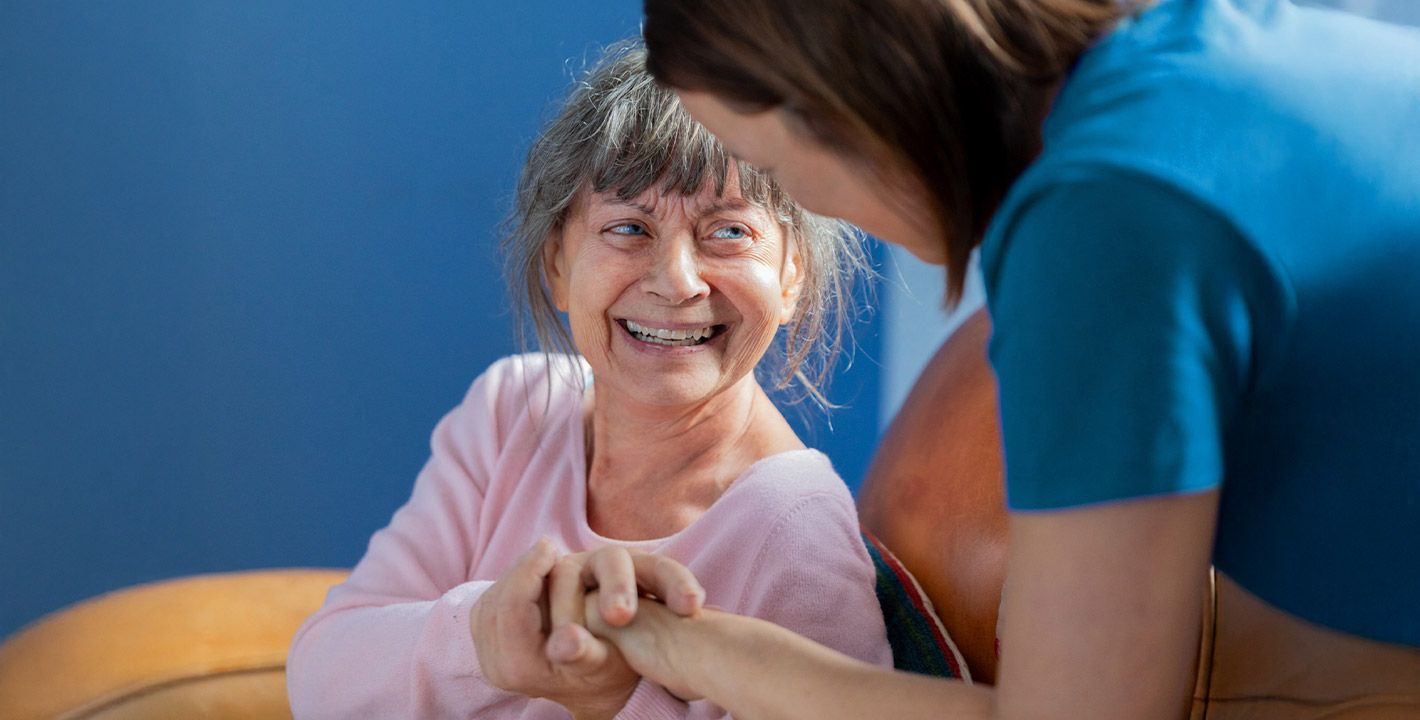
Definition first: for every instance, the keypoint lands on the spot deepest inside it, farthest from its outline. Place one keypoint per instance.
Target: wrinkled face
(822, 179)
(672, 299)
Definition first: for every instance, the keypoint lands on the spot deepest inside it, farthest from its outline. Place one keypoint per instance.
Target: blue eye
(731, 232)
(628, 229)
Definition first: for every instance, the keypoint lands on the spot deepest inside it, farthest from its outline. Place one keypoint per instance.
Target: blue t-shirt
(1210, 278)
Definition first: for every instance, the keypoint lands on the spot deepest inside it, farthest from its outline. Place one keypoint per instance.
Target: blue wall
(246, 263)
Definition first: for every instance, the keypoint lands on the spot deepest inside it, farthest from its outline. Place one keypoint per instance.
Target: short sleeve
(1124, 317)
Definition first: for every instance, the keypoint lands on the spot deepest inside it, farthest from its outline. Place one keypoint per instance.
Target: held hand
(621, 576)
(510, 628)
(650, 643)
(603, 588)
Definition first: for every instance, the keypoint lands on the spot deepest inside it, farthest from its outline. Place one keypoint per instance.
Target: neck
(652, 470)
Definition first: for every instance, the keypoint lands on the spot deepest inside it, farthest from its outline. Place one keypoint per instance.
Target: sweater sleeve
(394, 639)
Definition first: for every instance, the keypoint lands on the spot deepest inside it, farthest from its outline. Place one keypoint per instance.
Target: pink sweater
(508, 466)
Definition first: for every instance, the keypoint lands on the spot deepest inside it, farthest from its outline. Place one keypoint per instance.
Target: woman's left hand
(620, 576)
(510, 631)
(602, 589)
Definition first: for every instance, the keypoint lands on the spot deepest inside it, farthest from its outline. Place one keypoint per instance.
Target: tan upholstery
(933, 493)
(209, 646)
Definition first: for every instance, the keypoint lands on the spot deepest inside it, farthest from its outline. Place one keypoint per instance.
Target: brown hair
(953, 90)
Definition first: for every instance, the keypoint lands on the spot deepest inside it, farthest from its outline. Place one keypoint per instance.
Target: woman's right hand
(511, 634)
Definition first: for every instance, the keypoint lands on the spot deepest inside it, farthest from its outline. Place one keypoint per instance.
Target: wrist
(583, 713)
(691, 650)
(720, 652)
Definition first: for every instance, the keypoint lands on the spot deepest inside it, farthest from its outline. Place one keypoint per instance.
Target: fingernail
(619, 611)
(689, 597)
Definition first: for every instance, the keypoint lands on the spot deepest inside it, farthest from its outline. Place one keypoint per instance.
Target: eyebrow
(718, 206)
(645, 209)
(722, 205)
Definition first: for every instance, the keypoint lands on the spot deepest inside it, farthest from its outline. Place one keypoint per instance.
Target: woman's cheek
(591, 324)
(761, 316)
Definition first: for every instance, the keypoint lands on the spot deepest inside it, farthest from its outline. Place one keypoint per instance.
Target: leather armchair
(206, 646)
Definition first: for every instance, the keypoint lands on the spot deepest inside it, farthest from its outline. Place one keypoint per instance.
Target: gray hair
(619, 131)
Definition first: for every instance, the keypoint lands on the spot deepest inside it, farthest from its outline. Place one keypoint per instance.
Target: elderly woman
(676, 267)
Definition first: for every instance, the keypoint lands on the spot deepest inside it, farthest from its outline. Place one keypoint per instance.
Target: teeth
(663, 336)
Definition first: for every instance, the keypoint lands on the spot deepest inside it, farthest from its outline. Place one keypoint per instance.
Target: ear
(554, 269)
(791, 280)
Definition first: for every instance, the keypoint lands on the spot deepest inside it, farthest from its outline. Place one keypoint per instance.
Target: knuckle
(494, 678)
(519, 676)
(663, 565)
(566, 566)
(612, 556)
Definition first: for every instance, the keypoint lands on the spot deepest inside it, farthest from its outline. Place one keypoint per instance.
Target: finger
(525, 578)
(513, 623)
(670, 581)
(574, 648)
(566, 592)
(612, 572)
(522, 611)
(595, 624)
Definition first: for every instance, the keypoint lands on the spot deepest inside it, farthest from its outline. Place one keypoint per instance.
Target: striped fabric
(920, 642)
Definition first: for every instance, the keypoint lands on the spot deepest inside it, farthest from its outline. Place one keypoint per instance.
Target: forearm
(759, 671)
(403, 659)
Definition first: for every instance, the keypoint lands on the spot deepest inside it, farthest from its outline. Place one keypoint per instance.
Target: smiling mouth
(671, 338)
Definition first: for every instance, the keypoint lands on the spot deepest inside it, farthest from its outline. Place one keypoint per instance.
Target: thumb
(573, 648)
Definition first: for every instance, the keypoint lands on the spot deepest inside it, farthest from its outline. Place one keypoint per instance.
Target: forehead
(655, 201)
(659, 200)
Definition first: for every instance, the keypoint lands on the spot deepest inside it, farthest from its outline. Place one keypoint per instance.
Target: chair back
(934, 492)
(206, 646)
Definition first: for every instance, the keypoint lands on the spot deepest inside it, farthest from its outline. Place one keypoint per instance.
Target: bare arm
(1101, 620)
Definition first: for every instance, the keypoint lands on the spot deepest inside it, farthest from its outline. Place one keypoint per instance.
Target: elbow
(303, 686)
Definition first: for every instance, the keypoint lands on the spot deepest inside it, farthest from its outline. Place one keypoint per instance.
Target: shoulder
(1108, 232)
(807, 568)
(557, 372)
(1075, 226)
(509, 401)
(804, 511)
(1252, 106)
(792, 496)
(529, 385)
(781, 488)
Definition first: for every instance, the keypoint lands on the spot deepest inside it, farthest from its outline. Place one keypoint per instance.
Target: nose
(675, 275)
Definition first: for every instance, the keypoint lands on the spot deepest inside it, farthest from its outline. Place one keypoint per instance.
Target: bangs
(644, 139)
